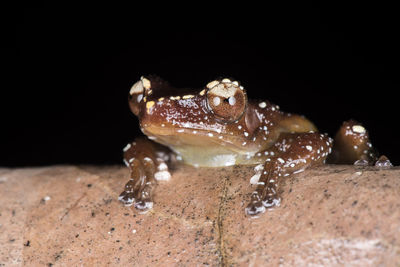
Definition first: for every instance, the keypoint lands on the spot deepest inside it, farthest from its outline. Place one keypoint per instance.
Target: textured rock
(69, 215)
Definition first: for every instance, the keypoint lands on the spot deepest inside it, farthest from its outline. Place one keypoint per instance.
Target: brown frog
(218, 126)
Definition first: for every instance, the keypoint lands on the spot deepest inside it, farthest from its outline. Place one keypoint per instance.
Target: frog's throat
(214, 157)
(203, 149)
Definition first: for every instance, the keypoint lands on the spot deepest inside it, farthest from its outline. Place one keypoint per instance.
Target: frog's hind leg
(147, 162)
(292, 153)
(352, 145)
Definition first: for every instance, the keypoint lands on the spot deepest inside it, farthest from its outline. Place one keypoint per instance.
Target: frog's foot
(146, 167)
(255, 206)
(383, 163)
(138, 190)
(352, 146)
(292, 153)
(136, 194)
(258, 205)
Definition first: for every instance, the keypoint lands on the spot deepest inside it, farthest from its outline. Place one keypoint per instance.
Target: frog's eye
(226, 99)
(137, 92)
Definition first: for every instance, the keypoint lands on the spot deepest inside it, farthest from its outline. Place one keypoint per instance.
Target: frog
(217, 126)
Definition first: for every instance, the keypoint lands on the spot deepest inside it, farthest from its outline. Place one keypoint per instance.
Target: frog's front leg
(147, 162)
(291, 153)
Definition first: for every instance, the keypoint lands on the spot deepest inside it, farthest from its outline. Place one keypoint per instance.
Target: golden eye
(226, 100)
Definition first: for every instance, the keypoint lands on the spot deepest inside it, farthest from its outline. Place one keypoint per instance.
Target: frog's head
(214, 116)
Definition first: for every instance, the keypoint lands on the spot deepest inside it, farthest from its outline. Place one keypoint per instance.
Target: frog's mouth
(190, 137)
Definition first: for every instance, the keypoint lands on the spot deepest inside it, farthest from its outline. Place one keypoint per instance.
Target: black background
(71, 70)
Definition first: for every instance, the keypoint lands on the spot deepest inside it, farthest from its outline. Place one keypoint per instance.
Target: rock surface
(69, 215)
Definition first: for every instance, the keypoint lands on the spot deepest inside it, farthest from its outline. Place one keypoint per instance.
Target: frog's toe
(383, 163)
(144, 204)
(362, 163)
(127, 198)
(271, 202)
(255, 208)
(136, 195)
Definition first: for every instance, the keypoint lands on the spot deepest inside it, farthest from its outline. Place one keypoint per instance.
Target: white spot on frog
(259, 168)
(162, 176)
(254, 179)
(358, 129)
(162, 167)
(146, 83)
(232, 100)
(216, 101)
(212, 84)
(139, 98)
(126, 148)
(137, 88)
